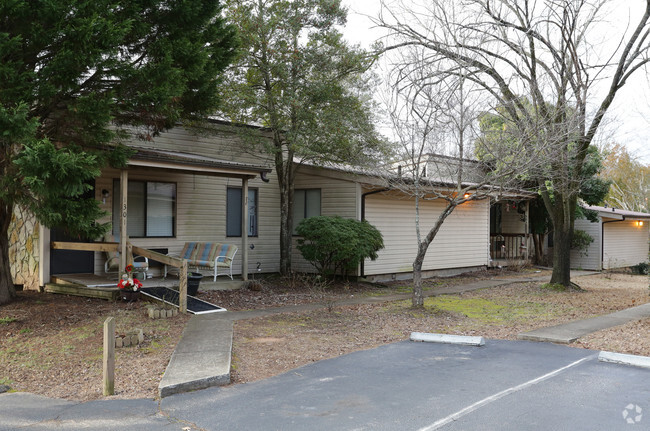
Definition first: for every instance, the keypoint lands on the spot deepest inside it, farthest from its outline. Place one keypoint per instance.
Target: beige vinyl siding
(463, 239)
(625, 244)
(216, 142)
(511, 220)
(339, 197)
(201, 200)
(589, 259)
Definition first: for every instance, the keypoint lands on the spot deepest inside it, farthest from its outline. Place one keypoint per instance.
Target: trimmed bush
(336, 245)
(641, 268)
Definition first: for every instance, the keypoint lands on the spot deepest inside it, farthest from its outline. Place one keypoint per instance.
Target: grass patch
(7, 320)
(556, 287)
(481, 310)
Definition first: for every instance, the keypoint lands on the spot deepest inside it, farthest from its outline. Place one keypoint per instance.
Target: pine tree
(72, 72)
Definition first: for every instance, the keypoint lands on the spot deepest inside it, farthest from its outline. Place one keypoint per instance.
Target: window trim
(256, 233)
(117, 190)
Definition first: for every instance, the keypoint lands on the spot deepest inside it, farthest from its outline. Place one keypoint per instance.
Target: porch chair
(112, 264)
(214, 255)
(209, 255)
(186, 253)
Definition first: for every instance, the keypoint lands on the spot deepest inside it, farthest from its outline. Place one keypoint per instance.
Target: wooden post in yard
(109, 356)
(182, 287)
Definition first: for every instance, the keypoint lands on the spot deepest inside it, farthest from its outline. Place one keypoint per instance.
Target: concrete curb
(621, 358)
(447, 339)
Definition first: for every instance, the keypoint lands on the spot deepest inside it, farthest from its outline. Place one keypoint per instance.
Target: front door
(71, 261)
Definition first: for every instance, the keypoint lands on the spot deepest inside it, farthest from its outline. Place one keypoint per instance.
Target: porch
(104, 286)
(158, 220)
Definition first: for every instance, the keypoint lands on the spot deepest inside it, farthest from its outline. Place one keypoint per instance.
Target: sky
(628, 119)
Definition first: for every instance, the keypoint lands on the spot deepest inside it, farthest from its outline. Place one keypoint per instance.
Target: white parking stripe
(455, 416)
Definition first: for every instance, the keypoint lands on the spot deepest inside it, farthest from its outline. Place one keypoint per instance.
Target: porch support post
(244, 228)
(182, 287)
(124, 188)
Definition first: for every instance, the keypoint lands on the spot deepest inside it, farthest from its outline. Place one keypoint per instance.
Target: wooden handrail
(84, 246)
(159, 257)
(149, 254)
(172, 261)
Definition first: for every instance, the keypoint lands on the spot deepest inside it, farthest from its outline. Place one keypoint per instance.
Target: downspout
(602, 240)
(363, 218)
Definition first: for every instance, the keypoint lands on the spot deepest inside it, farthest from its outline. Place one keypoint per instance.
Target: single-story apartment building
(620, 239)
(186, 185)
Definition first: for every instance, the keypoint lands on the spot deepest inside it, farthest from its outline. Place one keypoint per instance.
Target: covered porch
(510, 240)
(166, 165)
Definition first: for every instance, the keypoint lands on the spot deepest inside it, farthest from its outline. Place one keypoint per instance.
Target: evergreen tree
(69, 69)
(300, 79)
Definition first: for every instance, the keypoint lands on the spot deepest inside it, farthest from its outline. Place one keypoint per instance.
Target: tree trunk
(286, 228)
(538, 241)
(563, 217)
(7, 291)
(418, 297)
(285, 172)
(562, 210)
(561, 255)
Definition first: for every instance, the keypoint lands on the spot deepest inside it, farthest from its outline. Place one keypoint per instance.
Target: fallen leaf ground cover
(52, 344)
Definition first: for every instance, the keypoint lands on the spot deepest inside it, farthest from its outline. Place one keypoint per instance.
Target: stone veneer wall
(24, 252)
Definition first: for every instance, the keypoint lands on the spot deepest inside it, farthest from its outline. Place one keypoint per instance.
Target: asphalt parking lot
(503, 385)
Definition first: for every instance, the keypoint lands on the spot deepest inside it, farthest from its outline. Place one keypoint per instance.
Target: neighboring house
(620, 239)
(187, 185)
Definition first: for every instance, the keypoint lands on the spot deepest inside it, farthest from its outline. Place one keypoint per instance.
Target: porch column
(244, 228)
(124, 188)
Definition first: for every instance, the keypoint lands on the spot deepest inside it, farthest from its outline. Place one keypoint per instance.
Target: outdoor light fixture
(105, 195)
(466, 195)
(638, 223)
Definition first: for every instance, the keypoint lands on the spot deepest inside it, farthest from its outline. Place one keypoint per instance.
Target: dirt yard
(52, 344)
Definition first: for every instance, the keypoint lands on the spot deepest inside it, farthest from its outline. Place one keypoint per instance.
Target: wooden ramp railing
(181, 264)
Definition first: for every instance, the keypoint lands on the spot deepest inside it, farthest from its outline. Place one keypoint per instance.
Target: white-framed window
(306, 203)
(233, 211)
(151, 209)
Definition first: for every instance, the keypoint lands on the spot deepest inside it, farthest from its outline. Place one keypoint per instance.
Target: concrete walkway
(202, 356)
(570, 332)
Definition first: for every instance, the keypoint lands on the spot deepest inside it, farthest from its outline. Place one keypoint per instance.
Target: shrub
(641, 268)
(580, 241)
(337, 245)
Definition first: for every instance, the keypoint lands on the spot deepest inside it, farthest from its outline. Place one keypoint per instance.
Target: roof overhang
(618, 214)
(194, 164)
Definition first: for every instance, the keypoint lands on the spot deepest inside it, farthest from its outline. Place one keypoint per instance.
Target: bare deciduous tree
(435, 120)
(550, 64)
